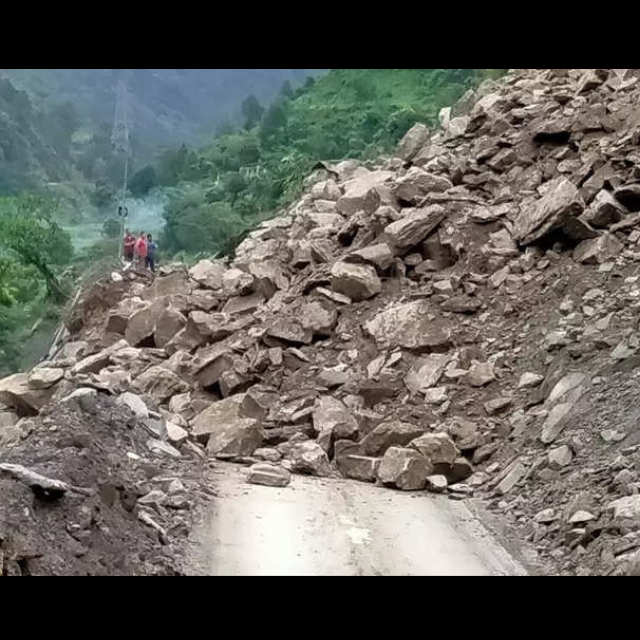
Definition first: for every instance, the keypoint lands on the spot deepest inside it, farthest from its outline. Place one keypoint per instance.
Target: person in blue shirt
(152, 248)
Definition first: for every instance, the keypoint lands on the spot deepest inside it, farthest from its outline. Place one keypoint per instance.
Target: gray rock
(515, 474)
(481, 374)
(414, 140)
(410, 326)
(389, 434)
(41, 379)
(378, 255)
(208, 274)
(561, 202)
(404, 469)
(437, 484)
(439, 449)
(176, 434)
(560, 458)
(426, 373)
(360, 468)
(530, 381)
(418, 183)
(357, 282)
(16, 393)
(268, 455)
(308, 458)
(268, 475)
(163, 449)
(604, 211)
(135, 403)
(626, 508)
(333, 421)
(411, 230)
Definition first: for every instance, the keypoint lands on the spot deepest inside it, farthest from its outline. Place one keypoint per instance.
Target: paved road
(337, 528)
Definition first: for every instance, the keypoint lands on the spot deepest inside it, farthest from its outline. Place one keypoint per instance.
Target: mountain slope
(168, 105)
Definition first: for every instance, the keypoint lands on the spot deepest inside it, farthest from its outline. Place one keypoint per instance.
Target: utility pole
(121, 143)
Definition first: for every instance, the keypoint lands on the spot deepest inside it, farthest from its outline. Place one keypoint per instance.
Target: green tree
(28, 231)
(143, 181)
(252, 111)
(286, 90)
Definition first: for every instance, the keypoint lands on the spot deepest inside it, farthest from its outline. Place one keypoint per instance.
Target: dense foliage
(246, 174)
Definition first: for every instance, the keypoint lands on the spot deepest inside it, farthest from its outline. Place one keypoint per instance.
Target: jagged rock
(41, 379)
(515, 473)
(599, 250)
(135, 403)
(163, 449)
(627, 508)
(389, 434)
(481, 374)
(330, 378)
(411, 230)
(561, 203)
(604, 211)
(16, 393)
(169, 323)
(439, 449)
(208, 274)
(413, 141)
(556, 422)
(160, 384)
(176, 434)
(404, 469)
(592, 79)
(229, 435)
(497, 405)
(560, 458)
(268, 455)
(462, 304)
(362, 194)
(357, 282)
(360, 468)
(269, 475)
(237, 282)
(426, 373)
(437, 484)
(118, 319)
(326, 190)
(318, 317)
(530, 381)
(333, 421)
(308, 458)
(378, 255)
(289, 330)
(417, 183)
(409, 326)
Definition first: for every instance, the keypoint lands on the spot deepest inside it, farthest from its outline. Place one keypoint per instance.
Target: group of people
(141, 251)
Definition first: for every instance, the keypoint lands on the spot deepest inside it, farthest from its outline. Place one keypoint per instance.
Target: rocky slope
(458, 318)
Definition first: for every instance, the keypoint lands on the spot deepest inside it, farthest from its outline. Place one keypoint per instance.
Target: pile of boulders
(435, 320)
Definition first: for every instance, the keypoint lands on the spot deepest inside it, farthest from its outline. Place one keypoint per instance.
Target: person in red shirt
(141, 251)
(129, 246)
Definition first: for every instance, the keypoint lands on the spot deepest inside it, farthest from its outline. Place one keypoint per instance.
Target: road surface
(340, 528)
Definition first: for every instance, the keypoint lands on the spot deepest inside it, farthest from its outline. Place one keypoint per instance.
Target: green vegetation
(33, 252)
(244, 176)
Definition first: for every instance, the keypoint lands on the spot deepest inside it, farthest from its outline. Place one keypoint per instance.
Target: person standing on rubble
(141, 251)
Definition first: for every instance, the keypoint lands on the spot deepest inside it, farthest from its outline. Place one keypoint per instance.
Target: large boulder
(308, 458)
(418, 183)
(118, 319)
(289, 330)
(410, 326)
(168, 324)
(360, 468)
(561, 203)
(227, 433)
(319, 317)
(208, 274)
(17, 394)
(404, 469)
(426, 373)
(358, 282)
(387, 435)
(361, 194)
(268, 475)
(326, 190)
(414, 140)
(606, 248)
(411, 230)
(161, 384)
(604, 211)
(142, 324)
(333, 421)
(439, 449)
(378, 255)
(45, 378)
